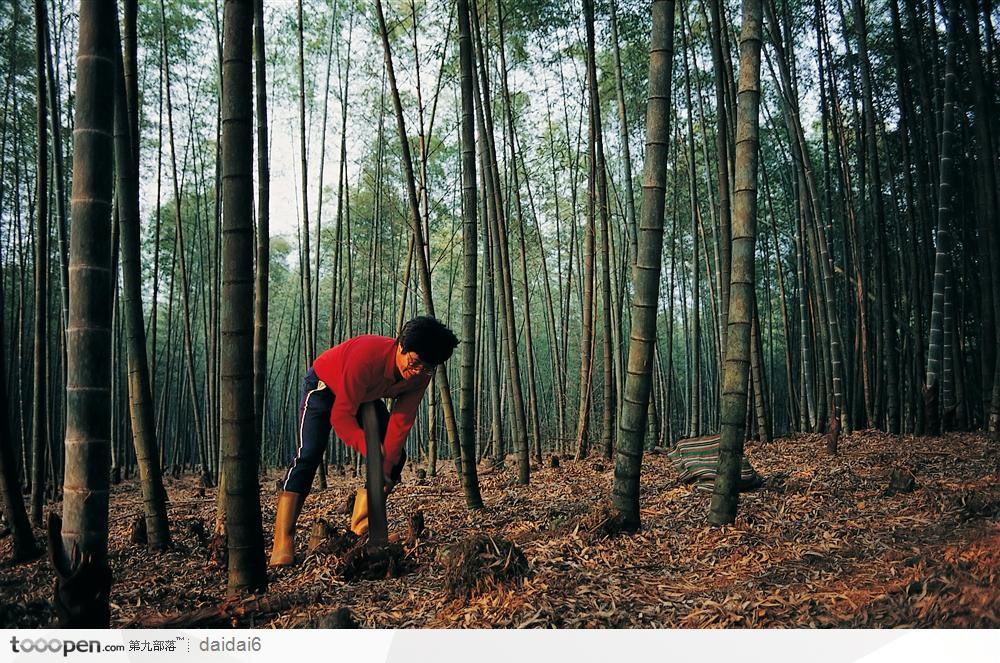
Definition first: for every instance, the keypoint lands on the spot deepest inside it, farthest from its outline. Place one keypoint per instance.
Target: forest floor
(820, 544)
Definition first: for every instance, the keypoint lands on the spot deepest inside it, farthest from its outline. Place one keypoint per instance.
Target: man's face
(409, 364)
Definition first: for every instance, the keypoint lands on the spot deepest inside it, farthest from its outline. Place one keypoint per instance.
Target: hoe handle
(378, 527)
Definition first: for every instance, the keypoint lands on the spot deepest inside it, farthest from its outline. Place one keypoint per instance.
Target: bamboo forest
(499, 313)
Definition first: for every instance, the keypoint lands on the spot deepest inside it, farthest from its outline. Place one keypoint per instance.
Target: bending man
(361, 369)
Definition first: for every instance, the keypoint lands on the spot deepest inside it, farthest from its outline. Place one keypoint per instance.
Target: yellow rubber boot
(359, 518)
(289, 508)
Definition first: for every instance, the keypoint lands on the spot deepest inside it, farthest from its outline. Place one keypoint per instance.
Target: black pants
(314, 430)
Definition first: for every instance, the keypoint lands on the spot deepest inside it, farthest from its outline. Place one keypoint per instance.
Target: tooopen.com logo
(55, 646)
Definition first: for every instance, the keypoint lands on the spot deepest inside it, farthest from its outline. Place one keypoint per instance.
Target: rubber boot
(359, 518)
(289, 508)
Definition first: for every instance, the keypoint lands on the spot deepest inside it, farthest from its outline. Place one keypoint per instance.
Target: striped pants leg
(312, 433)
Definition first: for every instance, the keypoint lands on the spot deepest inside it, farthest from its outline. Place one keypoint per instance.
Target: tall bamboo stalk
(247, 568)
(84, 535)
(263, 262)
(143, 422)
(179, 248)
(470, 484)
(310, 348)
(726, 492)
(468, 370)
(39, 409)
(649, 260)
(934, 384)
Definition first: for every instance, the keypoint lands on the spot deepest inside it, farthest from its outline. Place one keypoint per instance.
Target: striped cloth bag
(697, 461)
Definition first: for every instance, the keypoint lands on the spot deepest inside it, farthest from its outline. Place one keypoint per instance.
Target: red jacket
(363, 369)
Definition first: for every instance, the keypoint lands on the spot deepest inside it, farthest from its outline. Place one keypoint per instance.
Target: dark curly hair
(429, 338)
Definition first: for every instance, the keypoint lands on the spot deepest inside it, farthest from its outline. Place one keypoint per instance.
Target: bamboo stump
(137, 533)
(901, 480)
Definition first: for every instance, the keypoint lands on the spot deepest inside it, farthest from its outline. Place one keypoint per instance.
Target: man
(359, 370)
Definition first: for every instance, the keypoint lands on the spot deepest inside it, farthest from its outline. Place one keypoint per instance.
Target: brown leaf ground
(819, 545)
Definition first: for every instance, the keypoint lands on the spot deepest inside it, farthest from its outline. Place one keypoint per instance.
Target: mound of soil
(483, 562)
(364, 563)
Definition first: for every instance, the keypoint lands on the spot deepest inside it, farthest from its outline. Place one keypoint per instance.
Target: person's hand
(387, 484)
